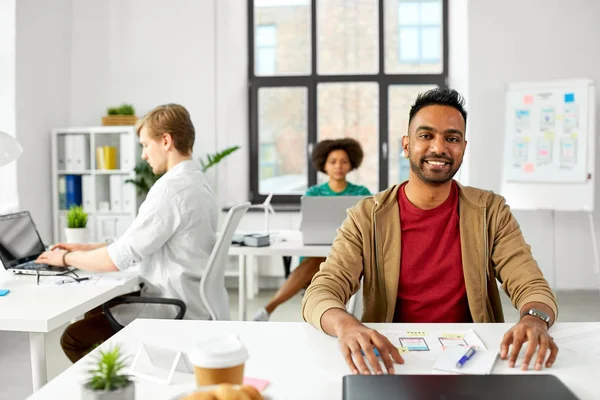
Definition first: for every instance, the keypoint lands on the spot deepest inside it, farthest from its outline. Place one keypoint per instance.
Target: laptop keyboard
(32, 265)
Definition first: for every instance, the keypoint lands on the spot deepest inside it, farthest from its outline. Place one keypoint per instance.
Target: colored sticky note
(258, 384)
(528, 167)
(574, 135)
(416, 333)
(549, 135)
(528, 99)
(453, 336)
(4, 292)
(526, 139)
(374, 351)
(403, 350)
(569, 97)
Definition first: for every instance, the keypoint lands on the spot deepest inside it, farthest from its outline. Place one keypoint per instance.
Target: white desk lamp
(10, 149)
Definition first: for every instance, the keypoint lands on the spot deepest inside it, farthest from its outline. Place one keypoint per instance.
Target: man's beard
(433, 177)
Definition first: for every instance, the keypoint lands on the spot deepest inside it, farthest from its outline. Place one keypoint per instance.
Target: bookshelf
(95, 178)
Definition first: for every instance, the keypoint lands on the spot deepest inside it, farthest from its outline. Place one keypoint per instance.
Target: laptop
(322, 216)
(20, 246)
(454, 387)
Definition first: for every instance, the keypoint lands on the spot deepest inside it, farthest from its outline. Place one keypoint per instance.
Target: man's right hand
(356, 339)
(74, 246)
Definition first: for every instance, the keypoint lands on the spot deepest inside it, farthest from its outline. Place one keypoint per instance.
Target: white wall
(8, 174)
(512, 41)
(43, 43)
(145, 52)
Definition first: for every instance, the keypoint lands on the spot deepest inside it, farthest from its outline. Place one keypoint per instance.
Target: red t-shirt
(431, 286)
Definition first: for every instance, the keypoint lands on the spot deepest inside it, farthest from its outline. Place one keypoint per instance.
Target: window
(266, 47)
(336, 68)
(419, 31)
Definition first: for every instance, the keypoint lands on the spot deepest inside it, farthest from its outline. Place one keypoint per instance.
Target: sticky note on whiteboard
(528, 99)
(569, 97)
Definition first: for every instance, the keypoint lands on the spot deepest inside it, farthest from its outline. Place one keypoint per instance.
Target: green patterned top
(325, 190)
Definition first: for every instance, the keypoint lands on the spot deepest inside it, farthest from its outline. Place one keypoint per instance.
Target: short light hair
(173, 119)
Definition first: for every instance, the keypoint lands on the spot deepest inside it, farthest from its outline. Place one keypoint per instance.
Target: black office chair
(139, 300)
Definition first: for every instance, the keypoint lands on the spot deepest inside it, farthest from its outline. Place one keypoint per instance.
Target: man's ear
(405, 143)
(167, 140)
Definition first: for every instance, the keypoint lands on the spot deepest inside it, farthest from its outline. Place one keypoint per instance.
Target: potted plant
(107, 378)
(122, 115)
(76, 230)
(145, 178)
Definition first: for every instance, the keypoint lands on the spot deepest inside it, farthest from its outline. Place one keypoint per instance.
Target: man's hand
(356, 340)
(74, 246)
(52, 257)
(535, 332)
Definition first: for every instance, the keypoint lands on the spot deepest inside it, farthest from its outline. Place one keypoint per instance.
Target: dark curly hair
(323, 148)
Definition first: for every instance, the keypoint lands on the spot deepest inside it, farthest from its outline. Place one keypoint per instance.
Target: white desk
(287, 243)
(299, 361)
(40, 310)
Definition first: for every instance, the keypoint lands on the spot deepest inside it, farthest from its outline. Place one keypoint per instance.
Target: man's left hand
(535, 332)
(52, 257)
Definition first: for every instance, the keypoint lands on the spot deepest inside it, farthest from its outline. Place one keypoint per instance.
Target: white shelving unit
(111, 203)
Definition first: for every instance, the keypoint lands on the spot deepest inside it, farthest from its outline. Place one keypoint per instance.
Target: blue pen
(468, 355)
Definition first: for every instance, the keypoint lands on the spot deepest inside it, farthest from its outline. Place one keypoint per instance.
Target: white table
(41, 310)
(301, 362)
(286, 243)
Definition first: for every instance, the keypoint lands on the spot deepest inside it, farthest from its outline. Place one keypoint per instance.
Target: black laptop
(20, 246)
(455, 387)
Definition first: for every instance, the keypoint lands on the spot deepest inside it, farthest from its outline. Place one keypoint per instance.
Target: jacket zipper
(485, 266)
(485, 244)
(379, 280)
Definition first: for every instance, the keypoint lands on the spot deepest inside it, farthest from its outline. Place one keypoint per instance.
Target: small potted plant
(107, 378)
(76, 230)
(122, 115)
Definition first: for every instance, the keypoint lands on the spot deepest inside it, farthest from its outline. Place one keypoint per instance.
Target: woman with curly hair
(336, 158)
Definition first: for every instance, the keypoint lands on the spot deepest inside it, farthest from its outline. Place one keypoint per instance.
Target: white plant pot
(76, 235)
(126, 393)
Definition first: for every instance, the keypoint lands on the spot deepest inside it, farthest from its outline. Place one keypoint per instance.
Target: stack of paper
(481, 363)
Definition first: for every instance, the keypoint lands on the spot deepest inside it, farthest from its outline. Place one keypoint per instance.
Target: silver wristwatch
(538, 314)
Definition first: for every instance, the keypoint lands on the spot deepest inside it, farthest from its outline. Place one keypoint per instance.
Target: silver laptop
(322, 216)
(20, 246)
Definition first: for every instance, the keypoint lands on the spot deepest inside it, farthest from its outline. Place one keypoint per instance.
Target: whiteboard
(549, 144)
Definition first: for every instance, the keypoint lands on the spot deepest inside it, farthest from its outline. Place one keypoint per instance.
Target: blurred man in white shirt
(172, 236)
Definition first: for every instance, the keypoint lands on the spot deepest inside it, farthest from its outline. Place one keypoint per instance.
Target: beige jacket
(368, 246)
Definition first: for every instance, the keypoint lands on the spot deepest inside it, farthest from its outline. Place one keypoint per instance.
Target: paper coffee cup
(219, 360)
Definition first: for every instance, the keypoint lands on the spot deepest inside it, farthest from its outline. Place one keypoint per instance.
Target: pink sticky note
(259, 384)
(529, 167)
(528, 99)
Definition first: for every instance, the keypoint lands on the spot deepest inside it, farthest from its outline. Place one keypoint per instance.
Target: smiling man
(430, 251)
(171, 237)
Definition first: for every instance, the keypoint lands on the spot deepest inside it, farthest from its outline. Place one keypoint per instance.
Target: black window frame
(310, 82)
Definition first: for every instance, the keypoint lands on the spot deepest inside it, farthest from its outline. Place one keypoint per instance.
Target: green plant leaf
(76, 217)
(214, 159)
(107, 372)
(126, 109)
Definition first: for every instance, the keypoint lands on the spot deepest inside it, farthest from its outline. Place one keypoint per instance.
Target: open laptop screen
(19, 240)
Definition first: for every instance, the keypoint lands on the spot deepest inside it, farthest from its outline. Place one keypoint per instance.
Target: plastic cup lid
(223, 352)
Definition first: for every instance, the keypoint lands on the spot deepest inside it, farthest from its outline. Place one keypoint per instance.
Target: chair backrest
(355, 304)
(212, 286)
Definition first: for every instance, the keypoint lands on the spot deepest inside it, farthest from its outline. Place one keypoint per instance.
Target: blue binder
(73, 192)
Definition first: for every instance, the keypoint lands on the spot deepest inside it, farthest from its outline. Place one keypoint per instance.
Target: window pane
(347, 37)
(283, 26)
(409, 44)
(401, 97)
(418, 51)
(352, 110)
(282, 138)
(265, 36)
(265, 61)
(408, 13)
(430, 44)
(431, 13)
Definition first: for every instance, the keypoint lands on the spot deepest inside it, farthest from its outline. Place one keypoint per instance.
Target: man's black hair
(439, 96)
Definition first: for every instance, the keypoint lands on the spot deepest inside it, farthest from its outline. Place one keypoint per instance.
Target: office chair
(212, 285)
(355, 304)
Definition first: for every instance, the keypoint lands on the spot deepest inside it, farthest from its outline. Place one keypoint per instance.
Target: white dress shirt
(172, 237)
